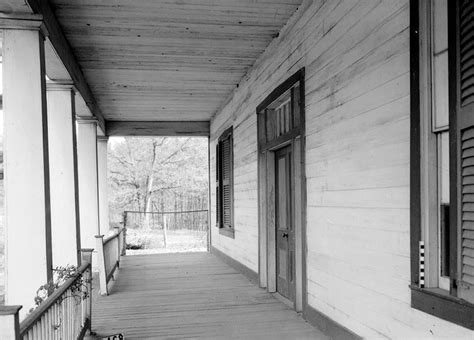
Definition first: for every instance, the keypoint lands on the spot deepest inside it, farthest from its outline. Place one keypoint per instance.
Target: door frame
(266, 193)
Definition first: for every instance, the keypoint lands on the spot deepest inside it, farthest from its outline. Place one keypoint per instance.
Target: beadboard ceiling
(174, 60)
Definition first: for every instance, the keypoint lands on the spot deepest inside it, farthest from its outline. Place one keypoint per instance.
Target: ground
(177, 241)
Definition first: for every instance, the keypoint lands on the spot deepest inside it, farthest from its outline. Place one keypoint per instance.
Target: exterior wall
(356, 56)
(2, 212)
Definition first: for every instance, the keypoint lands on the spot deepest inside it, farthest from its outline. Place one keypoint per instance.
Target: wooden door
(285, 239)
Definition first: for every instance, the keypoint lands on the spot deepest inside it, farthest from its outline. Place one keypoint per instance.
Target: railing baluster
(79, 315)
(68, 331)
(73, 319)
(48, 326)
(62, 315)
(54, 321)
(66, 314)
(75, 313)
(57, 322)
(42, 330)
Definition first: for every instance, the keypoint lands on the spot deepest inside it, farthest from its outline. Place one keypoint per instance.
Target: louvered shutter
(227, 166)
(465, 145)
(218, 186)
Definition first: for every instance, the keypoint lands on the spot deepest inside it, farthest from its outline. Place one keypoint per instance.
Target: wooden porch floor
(194, 295)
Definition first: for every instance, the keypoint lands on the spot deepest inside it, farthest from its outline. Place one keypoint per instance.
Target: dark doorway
(282, 187)
(285, 238)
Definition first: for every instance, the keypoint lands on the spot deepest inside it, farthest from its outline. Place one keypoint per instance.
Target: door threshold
(285, 300)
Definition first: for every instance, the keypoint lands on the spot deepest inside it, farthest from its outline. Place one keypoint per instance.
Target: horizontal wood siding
(244, 248)
(356, 57)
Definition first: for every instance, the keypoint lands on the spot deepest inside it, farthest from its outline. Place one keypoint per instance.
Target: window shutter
(218, 187)
(464, 128)
(227, 166)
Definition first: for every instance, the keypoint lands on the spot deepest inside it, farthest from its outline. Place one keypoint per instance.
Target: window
(437, 134)
(442, 159)
(225, 183)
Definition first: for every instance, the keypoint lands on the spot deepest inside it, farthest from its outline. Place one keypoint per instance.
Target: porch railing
(109, 251)
(65, 314)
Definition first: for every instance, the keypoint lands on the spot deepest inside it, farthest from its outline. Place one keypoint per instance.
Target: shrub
(137, 239)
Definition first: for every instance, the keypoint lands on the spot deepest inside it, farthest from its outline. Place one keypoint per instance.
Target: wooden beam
(154, 128)
(64, 51)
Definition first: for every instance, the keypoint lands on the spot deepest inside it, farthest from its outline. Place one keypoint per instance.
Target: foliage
(137, 239)
(60, 276)
(148, 174)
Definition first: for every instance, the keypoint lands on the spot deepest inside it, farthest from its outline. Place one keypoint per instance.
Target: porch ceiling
(176, 60)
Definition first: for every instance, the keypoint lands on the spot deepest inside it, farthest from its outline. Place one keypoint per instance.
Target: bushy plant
(136, 239)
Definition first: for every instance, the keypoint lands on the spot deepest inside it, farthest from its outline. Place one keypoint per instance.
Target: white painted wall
(356, 55)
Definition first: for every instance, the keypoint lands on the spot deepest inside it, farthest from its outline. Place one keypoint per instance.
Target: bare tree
(144, 170)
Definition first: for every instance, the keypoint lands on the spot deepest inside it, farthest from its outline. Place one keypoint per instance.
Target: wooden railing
(109, 251)
(65, 314)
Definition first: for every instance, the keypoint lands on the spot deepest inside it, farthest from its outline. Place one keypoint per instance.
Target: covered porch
(192, 295)
(337, 132)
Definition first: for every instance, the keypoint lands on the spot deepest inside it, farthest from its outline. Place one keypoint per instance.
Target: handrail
(31, 319)
(65, 314)
(109, 251)
(166, 212)
(111, 237)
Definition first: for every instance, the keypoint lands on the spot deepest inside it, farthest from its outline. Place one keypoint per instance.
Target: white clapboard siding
(357, 97)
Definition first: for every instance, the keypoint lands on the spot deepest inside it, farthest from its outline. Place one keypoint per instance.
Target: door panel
(284, 229)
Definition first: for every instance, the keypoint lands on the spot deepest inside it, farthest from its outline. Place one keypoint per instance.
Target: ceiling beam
(154, 128)
(64, 51)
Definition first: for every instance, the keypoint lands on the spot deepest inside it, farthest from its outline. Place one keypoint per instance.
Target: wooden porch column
(27, 193)
(103, 187)
(63, 169)
(88, 180)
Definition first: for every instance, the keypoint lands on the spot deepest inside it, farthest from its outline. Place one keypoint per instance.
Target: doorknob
(285, 235)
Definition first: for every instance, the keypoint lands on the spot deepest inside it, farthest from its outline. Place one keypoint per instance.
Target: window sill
(442, 305)
(227, 232)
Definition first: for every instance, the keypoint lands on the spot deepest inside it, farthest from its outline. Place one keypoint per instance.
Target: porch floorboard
(193, 295)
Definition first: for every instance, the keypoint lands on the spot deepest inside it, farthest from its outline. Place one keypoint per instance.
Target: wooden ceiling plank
(64, 51)
(168, 59)
(240, 3)
(79, 26)
(158, 128)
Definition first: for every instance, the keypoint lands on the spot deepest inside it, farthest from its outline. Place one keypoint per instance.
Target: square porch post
(63, 169)
(88, 181)
(103, 187)
(26, 161)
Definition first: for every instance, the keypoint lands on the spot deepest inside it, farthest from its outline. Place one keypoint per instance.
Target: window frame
(440, 303)
(228, 231)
